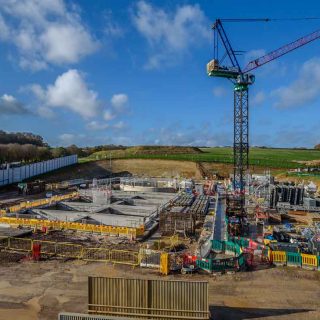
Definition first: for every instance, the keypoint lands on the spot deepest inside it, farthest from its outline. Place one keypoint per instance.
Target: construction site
(127, 244)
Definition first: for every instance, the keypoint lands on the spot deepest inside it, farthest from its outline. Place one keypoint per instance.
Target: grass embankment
(268, 158)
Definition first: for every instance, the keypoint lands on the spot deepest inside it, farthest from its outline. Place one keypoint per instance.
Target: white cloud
(4, 29)
(45, 32)
(67, 138)
(119, 101)
(95, 125)
(254, 54)
(179, 136)
(109, 115)
(66, 43)
(11, 106)
(70, 91)
(46, 113)
(119, 125)
(112, 29)
(219, 91)
(305, 89)
(258, 98)
(118, 106)
(170, 34)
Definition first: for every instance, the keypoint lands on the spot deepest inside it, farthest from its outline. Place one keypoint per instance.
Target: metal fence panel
(82, 316)
(18, 174)
(124, 257)
(151, 299)
(68, 250)
(96, 254)
(20, 244)
(47, 247)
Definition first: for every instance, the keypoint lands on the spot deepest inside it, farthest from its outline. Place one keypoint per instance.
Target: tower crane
(242, 79)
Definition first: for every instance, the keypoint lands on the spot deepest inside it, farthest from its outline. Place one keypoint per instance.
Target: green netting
(241, 260)
(217, 245)
(205, 264)
(242, 242)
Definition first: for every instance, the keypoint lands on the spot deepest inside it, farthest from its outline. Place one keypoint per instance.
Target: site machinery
(242, 79)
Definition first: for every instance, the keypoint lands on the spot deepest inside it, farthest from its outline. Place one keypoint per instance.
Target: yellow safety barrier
(72, 250)
(279, 257)
(164, 263)
(4, 242)
(69, 250)
(309, 261)
(124, 257)
(20, 244)
(47, 247)
(96, 254)
(40, 202)
(60, 225)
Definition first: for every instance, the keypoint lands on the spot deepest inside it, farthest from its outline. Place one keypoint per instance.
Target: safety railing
(71, 250)
(290, 259)
(279, 257)
(37, 203)
(130, 232)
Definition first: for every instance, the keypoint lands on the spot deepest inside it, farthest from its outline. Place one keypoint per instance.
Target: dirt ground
(157, 168)
(40, 290)
(141, 167)
(145, 167)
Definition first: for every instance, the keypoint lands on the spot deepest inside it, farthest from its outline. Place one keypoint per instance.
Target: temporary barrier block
(217, 245)
(294, 259)
(279, 257)
(309, 261)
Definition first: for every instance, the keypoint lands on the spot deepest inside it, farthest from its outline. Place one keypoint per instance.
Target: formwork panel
(148, 299)
(172, 222)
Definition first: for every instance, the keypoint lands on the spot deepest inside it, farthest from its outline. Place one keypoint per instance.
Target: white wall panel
(18, 174)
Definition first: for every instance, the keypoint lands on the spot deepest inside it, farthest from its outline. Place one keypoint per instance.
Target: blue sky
(133, 72)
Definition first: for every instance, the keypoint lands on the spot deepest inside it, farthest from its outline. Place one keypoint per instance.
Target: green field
(269, 158)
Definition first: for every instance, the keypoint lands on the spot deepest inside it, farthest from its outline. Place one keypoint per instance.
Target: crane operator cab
(215, 70)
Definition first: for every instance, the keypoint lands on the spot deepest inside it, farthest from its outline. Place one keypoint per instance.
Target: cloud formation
(219, 91)
(119, 101)
(302, 91)
(45, 32)
(170, 34)
(258, 98)
(69, 91)
(9, 105)
(95, 125)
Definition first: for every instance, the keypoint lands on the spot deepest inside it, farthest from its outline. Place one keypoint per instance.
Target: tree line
(27, 147)
(21, 138)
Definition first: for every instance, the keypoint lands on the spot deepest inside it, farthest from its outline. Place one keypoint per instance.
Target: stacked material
(184, 200)
(200, 207)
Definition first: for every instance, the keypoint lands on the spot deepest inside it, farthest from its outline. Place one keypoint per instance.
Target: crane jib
(281, 51)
